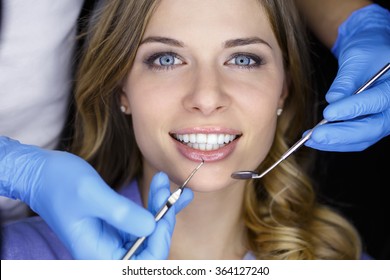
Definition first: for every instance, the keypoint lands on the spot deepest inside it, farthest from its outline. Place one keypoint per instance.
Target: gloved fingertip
(319, 136)
(159, 180)
(159, 198)
(186, 197)
(305, 133)
(309, 143)
(330, 114)
(148, 224)
(130, 217)
(344, 83)
(333, 96)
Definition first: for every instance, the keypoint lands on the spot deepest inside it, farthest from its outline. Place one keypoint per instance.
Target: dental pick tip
(192, 174)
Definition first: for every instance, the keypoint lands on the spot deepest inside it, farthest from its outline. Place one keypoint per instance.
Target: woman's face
(206, 83)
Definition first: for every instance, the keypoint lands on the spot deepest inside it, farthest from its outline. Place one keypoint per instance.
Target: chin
(209, 185)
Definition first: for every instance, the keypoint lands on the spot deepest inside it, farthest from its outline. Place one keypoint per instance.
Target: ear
(284, 94)
(124, 101)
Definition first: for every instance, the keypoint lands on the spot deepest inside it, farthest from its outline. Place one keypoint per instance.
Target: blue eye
(244, 60)
(164, 60)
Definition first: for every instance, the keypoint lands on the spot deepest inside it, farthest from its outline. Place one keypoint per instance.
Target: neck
(210, 227)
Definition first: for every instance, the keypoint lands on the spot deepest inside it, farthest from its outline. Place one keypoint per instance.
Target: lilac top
(32, 239)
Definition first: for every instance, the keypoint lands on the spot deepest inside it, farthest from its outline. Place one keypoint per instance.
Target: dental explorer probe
(253, 175)
(172, 199)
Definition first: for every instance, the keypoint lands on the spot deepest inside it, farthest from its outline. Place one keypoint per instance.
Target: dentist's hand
(91, 219)
(362, 48)
(157, 245)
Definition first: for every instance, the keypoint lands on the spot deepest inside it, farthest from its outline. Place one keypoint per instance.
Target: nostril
(206, 100)
(208, 108)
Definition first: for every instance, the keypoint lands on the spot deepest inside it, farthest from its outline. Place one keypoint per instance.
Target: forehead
(230, 18)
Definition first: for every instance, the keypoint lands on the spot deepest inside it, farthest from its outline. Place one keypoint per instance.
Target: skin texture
(206, 90)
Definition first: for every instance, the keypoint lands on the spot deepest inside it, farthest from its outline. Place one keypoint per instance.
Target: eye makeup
(163, 61)
(245, 60)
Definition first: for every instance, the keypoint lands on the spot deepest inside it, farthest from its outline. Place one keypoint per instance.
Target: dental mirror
(245, 175)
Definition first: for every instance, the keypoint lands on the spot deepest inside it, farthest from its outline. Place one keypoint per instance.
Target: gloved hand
(91, 219)
(160, 239)
(362, 48)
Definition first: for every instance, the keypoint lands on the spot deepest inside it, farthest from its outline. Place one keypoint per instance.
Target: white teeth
(201, 138)
(205, 142)
(221, 139)
(192, 138)
(212, 139)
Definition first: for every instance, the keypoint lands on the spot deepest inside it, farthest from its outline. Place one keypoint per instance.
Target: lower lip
(208, 156)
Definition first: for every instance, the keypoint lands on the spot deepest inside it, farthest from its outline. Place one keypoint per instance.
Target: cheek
(258, 99)
(141, 104)
(150, 111)
(157, 92)
(143, 129)
(258, 102)
(261, 136)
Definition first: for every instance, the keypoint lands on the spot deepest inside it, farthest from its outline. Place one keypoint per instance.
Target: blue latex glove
(91, 219)
(160, 240)
(362, 48)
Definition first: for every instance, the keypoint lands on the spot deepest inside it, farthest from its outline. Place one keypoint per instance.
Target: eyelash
(257, 61)
(150, 61)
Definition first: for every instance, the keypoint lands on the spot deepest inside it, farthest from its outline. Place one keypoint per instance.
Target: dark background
(356, 183)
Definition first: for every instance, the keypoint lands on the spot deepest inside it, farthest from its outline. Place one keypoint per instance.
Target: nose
(207, 94)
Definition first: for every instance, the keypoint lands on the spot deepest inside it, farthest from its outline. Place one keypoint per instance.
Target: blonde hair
(103, 135)
(282, 217)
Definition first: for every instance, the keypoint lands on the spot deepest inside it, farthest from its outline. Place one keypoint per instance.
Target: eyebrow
(228, 44)
(245, 41)
(163, 40)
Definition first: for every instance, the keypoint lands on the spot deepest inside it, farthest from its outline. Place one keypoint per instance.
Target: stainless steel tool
(172, 199)
(253, 175)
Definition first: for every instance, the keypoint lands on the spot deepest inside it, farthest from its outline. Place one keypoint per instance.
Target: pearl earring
(123, 108)
(279, 111)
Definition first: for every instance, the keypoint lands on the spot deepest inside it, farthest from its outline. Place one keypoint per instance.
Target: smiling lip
(204, 143)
